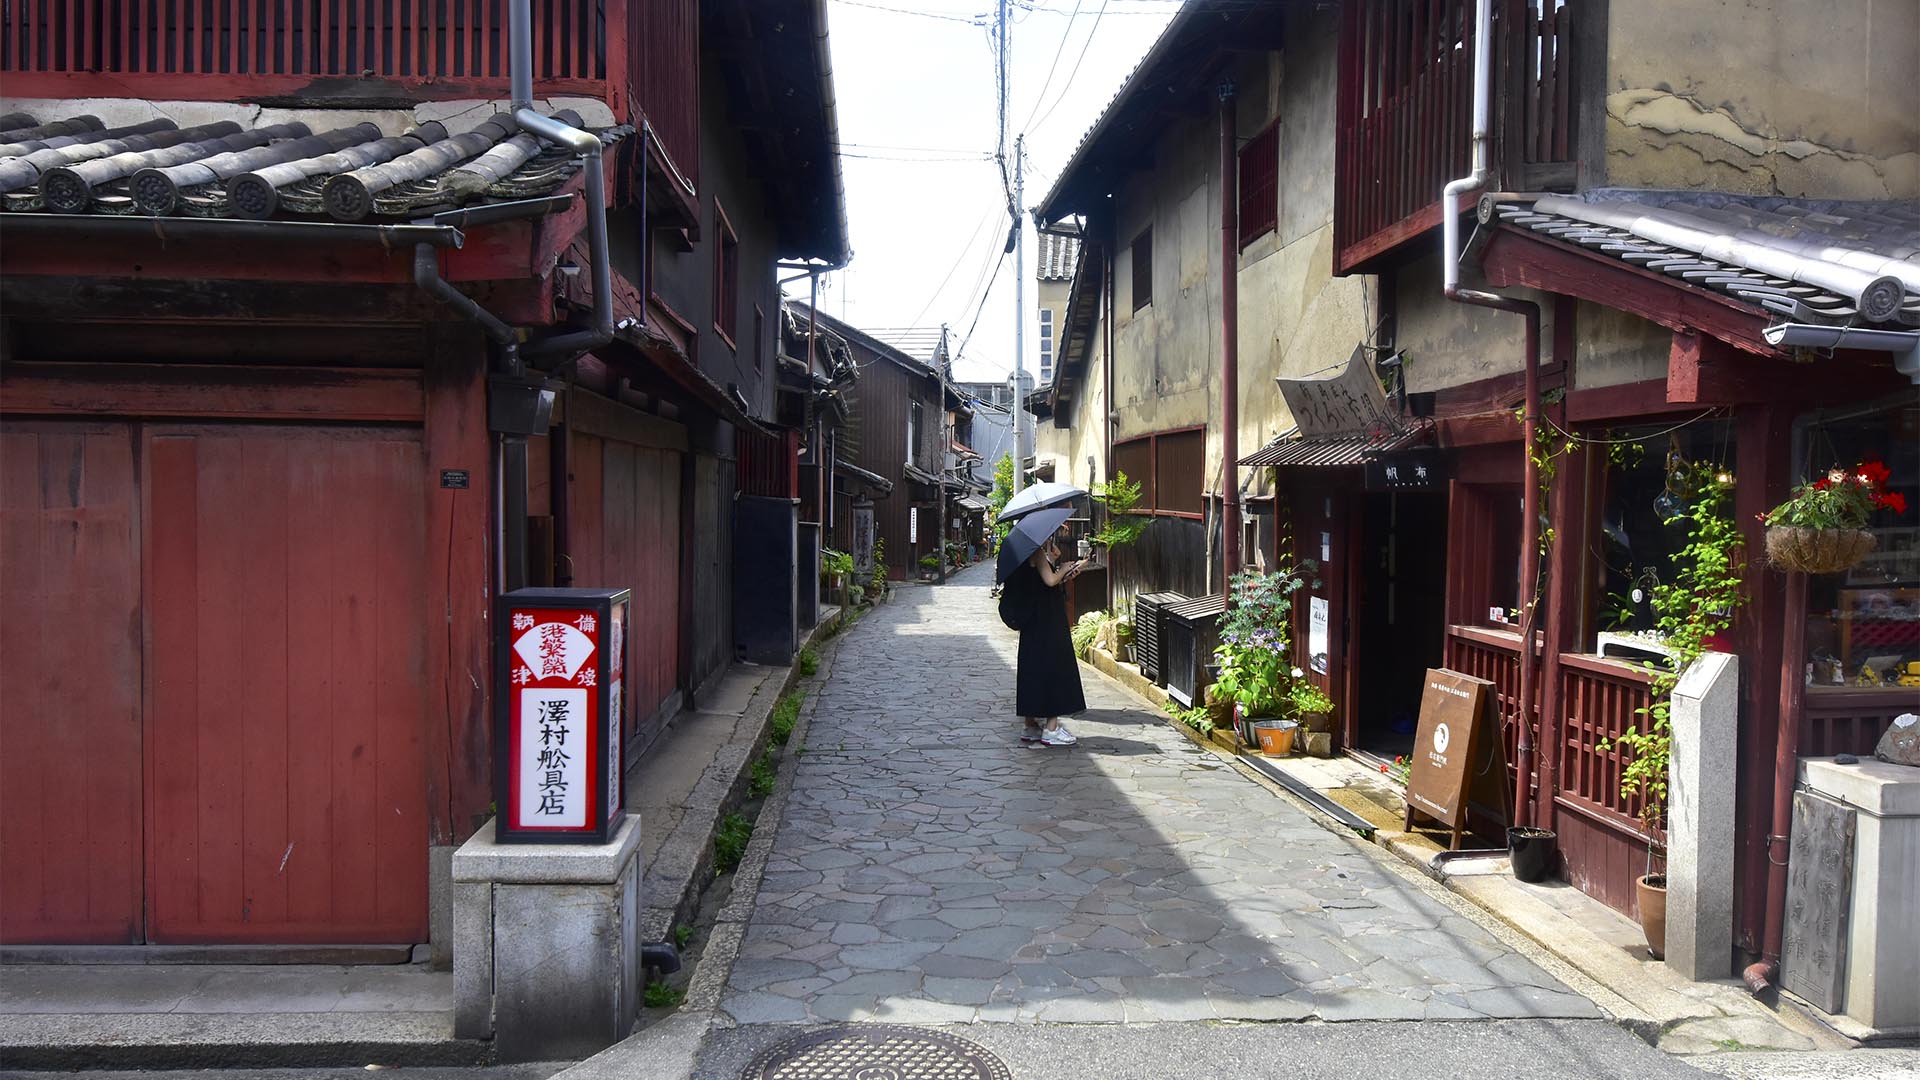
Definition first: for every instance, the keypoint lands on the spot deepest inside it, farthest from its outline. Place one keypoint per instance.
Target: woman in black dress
(1047, 684)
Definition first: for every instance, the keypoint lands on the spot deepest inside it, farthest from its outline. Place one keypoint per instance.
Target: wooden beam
(367, 395)
(1516, 258)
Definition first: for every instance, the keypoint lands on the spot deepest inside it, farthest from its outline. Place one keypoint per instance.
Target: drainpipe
(1450, 271)
(1230, 339)
(587, 145)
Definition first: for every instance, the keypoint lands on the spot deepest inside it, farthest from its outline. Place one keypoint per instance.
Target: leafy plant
(877, 578)
(1120, 496)
(1196, 718)
(1086, 629)
(834, 563)
(1842, 499)
(681, 935)
(1707, 588)
(929, 562)
(808, 662)
(998, 498)
(659, 995)
(1307, 698)
(730, 843)
(1255, 653)
(786, 713)
(761, 783)
(1400, 770)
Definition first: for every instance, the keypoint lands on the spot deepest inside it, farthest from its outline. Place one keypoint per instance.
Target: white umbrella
(1038, 497)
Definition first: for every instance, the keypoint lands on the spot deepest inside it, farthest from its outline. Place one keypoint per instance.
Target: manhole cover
(876, 1052)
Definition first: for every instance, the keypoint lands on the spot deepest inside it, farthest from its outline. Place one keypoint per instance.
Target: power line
(970, 20)
(1065, 35)
(1084, 46)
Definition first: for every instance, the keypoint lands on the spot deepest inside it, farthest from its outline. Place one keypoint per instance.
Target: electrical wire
(970, 20)
(1062, 96)
(1065, 36)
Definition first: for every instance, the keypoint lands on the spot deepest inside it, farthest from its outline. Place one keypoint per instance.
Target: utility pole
(946, 447)
(1019, 320)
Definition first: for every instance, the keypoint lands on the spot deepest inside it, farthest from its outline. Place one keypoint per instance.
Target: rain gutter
(1450, 270)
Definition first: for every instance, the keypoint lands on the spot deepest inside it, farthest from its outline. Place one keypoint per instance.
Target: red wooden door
(285, 684)
(626, 534)
(70, 778)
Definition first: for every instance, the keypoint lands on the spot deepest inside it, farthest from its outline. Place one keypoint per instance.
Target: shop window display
(1863, 623)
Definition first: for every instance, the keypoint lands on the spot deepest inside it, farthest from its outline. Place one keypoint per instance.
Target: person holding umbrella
(1047, 681)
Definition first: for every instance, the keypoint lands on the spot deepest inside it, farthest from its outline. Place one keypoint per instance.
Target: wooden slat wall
(70, 775)
(408, 41)
(285, 684)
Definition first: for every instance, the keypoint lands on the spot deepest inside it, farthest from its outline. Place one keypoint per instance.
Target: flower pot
(1275, 736)
(1817, 551)
(1321, 722)
(1651, 894)
(1532, 851)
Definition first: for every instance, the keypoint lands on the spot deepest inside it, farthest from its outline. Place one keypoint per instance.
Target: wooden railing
(1404, 117)
(767, 464)
(1850, 721)
(1494, 656)
(1600, 699)
(377, 53)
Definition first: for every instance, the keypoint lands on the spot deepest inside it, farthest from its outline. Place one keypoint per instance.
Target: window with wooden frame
(1046, 346)
(1142, 259)
(1260, 184)
(726, 277)
(1170, 468)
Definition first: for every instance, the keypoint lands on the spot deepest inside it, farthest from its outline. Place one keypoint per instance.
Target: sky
(916, 97)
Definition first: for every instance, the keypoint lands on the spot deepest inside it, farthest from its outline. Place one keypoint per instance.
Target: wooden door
(626, 535)
(285, 684)
(70, 778)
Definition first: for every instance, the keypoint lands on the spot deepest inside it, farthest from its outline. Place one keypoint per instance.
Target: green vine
(1708, 587)
(1550, 444)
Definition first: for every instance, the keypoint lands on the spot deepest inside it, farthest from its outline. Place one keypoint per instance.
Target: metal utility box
(1191, 634)
(1149, 630)
(559, 662)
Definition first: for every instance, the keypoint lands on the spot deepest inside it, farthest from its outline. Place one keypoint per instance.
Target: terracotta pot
(1650, 893)
(1817, 551)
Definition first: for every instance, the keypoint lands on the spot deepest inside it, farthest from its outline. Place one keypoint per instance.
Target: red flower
(1875, 472)
(1893, 501)
(1383, 768)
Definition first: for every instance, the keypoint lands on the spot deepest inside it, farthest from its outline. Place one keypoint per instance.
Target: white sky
(918, 112)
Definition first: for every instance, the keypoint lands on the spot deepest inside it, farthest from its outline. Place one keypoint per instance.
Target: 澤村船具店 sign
(561, 654)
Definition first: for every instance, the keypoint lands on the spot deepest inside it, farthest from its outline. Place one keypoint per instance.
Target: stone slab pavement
(930, 869)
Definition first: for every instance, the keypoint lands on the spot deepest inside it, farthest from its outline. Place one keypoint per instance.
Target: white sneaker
(1057, 736)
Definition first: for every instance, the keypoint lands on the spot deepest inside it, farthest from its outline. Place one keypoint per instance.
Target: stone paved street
(931, 869)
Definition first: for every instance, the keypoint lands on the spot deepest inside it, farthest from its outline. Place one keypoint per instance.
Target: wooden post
(459, 758)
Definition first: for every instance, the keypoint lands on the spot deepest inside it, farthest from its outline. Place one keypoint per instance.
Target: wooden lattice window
(1260, 184)
(1171, 470)
(726, 277)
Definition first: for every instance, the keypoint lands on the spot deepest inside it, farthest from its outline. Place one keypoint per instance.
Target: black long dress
(1048, 680)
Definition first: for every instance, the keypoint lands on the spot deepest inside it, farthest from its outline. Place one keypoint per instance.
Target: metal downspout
(587, 145)
(1450, 276)
(1229, 340)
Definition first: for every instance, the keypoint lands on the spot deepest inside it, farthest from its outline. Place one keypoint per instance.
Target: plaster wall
(1613, 347)
(1766, 97)
(1449, 344)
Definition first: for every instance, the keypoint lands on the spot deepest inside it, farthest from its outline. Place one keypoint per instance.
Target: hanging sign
(560, 668)
(1457, 751)
(1419, 469)
(1350, 403)
(863, 539)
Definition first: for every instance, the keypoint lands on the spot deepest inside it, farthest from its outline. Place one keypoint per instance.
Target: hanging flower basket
(1817, 551)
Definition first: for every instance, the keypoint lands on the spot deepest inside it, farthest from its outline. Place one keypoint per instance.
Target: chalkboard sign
(1457, 752)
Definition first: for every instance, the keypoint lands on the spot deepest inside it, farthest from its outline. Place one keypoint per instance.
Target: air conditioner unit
(1148, 632)
(1190, 634)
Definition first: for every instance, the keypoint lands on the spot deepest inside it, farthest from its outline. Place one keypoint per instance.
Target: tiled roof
(1819, 262)
(1291, 449)
(1057, 256)
(221, 170)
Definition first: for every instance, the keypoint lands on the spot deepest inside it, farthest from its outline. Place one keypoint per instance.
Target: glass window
(1635, 540)
(1863, 623)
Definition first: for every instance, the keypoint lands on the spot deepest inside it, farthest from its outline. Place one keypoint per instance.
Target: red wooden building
(265, 460)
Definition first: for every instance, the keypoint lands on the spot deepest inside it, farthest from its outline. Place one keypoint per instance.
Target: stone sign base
(546, 950)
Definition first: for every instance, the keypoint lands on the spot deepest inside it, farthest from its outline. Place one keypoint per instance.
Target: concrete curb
(670, 1049)
(262, 1040)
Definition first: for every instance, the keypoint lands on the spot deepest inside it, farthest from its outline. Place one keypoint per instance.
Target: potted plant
(1309, 705)
(1255, 652)
(1123, 631)
(835, 568)
(1822, 529)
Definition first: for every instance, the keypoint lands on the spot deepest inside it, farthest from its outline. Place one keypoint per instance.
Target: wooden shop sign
(1458, 755)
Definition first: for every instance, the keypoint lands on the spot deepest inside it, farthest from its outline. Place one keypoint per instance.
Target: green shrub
(786, 712)
(661, 996)
(1086, 630)
(809, 662)
(682, 935)
(730, 842)
(761, 785)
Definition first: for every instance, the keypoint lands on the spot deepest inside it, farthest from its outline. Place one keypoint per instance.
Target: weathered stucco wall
(1612, 347)
(1770, 97)
(1450, 344)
